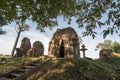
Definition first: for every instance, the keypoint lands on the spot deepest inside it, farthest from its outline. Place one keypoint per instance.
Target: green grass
(75, 69)
(69, 69)
(13, 63)
(112, 64)
(4, 56)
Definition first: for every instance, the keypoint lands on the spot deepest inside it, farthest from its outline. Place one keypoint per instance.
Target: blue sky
(7, 41)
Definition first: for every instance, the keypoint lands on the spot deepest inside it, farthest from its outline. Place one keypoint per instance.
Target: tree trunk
(15, 44)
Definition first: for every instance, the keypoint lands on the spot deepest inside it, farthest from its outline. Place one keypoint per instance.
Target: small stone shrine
(105, 53)
(25, 45)
(64, 43)
(37, 50)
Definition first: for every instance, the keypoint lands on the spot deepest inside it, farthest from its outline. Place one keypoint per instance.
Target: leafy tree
(21, 27)
(14, 13)
(44, 13)
(94, 14)
(1, 54)
(115, 47)
(89, 14)
(106, 44)
(2, 23)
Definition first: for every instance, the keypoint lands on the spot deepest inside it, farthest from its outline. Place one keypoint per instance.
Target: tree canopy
(106, 44)
(116, 46)
(21, 27)
(89, 14)
(2, 23)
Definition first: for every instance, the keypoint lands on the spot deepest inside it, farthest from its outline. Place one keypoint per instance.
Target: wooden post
(83, 49)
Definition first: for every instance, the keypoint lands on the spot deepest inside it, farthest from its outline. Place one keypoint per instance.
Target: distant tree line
(115, 46)
(108, 44)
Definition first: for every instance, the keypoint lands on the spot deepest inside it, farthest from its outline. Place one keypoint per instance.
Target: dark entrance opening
(62, 48)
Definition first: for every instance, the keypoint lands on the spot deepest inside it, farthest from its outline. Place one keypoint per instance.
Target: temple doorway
(62, 48)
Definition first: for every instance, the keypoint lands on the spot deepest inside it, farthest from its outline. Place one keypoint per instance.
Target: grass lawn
(13, 63)
(69, 69)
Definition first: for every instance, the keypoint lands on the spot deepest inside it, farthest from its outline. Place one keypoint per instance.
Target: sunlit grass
(5, 56)
(78, 69)
(116, 54)
(68, 69)
(13, 63)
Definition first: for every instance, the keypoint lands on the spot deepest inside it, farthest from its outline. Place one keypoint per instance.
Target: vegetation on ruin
(13, 63)
(71, 68)
(78, 69)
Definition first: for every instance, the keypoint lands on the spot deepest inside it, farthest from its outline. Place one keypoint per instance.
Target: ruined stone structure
(25, 45)
(105, 52)
(18, 53)
(37, 50)
(64, 43)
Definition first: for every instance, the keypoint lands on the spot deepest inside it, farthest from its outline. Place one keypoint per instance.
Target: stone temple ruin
(37, 50)
(26, 50)
(25, 45)
(64, 43)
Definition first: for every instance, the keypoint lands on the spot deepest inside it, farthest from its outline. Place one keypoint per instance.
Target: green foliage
(106, 44)
(1, 54)
(77, 69)
(2, 23)
(69, 69)
(13, 63)
(96, 14)
(4, 56)
(44, 13)
(23, 27)
(89, 14)
(113, 64)
(116, 47)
